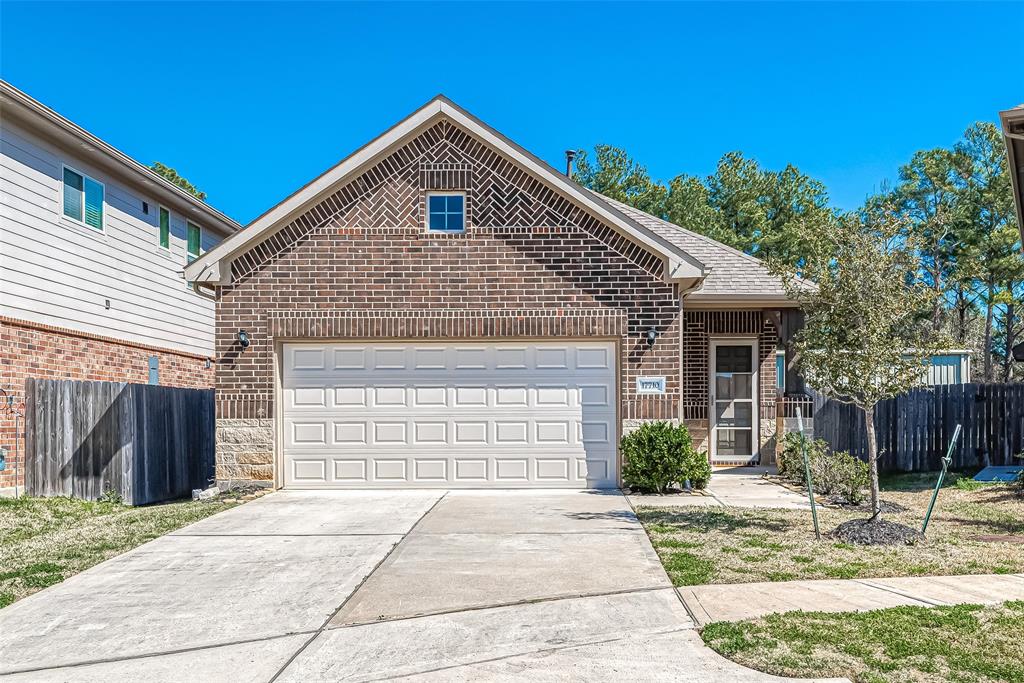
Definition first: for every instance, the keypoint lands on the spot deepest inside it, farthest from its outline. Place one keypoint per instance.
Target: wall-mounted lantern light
(652, 334)
(207, 364)
(243, 339)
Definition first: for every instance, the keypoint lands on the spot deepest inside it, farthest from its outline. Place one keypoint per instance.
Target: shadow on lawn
(704, 521)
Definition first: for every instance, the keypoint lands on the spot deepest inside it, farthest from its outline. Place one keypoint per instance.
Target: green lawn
(734, 545)
(45, 540)
(960, 644)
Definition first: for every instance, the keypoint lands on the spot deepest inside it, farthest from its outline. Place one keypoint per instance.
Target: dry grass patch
(960, 644)
(739, 545)
(45, 540)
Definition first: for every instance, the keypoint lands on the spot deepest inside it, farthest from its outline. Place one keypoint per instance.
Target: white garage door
(449, 415)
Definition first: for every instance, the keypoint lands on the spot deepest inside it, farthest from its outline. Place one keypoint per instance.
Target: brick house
(444, 309)
(93, 246)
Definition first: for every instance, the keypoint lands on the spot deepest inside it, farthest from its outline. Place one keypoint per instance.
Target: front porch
(740, 390)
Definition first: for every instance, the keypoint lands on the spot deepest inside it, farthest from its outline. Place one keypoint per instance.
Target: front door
(733, 401)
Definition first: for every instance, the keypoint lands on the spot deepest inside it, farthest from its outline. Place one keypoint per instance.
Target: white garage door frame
(614, 478)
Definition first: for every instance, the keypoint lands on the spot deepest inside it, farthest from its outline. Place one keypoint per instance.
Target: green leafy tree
(863, 341)
(990, 259)
(171, 175)
(927, 195)
(614, 174)
(769, 214)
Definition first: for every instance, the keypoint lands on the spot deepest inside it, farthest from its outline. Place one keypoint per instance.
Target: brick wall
(698, 328)
(361, 265)
(30, 350)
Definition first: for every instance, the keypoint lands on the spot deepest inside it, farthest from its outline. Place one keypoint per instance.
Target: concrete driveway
(302, 586)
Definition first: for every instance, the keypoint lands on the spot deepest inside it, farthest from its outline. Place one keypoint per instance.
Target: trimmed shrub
(835, 473)
(697, 468)
(843, 475)
(791, 462)
(658, 455)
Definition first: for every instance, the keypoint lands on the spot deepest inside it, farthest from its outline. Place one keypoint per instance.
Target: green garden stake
(807, 472)
(942, 475)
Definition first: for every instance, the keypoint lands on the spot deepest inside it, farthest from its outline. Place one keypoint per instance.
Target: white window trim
(450, 193)
(159, 208)
(755, 427)
(187, 254)
(103, 220)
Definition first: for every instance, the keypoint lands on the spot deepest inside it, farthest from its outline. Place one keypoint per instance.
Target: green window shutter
(93, 203)
(165, 228)
(193, 242)
(72, 195)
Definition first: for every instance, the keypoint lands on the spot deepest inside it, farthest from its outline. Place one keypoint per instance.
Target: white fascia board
(1014, 144)
(43, 120)
(678, 263)
(699, 300)
(264, 225)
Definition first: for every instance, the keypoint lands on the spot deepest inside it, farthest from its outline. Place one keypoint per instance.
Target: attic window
(446, 212)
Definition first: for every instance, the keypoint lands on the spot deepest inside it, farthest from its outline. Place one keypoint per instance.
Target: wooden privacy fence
(914, 429)
(146, 443)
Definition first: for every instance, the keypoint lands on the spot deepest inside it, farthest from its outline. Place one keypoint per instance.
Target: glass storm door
(733, 400)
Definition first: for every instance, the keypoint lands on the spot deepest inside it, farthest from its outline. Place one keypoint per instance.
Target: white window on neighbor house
(446, 212)
(165, 228)
(194, 242)
(82, 199)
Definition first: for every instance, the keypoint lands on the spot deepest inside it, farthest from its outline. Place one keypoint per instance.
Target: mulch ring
(877, 532)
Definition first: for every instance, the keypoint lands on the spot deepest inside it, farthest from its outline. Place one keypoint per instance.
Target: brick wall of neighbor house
(360, 265)
(39, 351)
(698, 328)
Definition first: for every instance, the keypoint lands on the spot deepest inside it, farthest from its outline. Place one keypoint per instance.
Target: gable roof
(213, 268)
(27, 110)
(731, 274)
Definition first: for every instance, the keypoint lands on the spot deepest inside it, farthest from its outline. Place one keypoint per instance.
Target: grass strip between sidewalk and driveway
(45, 540)
(959, 644)
(975, 530)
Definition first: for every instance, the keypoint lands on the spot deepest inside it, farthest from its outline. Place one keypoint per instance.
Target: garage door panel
(449, 415)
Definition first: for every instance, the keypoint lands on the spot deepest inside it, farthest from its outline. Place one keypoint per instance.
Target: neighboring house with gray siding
(93, 246)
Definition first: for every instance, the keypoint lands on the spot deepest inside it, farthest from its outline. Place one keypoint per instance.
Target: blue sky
(845, 91)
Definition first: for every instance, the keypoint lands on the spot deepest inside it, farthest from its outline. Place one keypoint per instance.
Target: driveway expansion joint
(556, 648)
(903, 594)
(352, 593)
(150, 655)
(516, 603)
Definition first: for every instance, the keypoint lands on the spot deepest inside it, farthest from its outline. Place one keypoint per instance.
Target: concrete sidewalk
(743, 487)
(733, 602)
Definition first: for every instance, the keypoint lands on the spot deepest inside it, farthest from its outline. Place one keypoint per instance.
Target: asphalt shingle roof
(732, 271)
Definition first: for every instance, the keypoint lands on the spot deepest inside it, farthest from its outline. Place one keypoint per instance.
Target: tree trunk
(937, 306)
(1010, 342)
(988, 331)
(869, 422)
(961, 336)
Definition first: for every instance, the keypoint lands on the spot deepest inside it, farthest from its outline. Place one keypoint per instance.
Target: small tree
(864, 339)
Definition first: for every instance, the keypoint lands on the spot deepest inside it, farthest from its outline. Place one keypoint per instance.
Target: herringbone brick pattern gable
(391, 194)
(363, 253)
